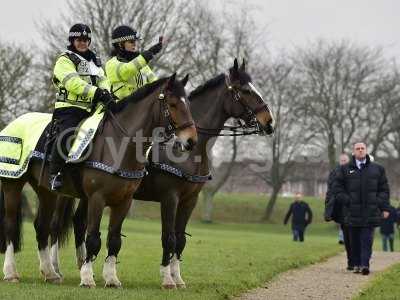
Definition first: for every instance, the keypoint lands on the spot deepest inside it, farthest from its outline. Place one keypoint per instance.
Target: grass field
(384, 286)
(221, 260)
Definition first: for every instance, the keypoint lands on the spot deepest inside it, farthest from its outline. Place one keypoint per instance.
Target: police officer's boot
(56, 165)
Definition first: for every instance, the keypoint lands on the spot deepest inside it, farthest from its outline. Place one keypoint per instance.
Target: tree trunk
(271, 204)
(26, 208)
(208, 198)
(332, 154)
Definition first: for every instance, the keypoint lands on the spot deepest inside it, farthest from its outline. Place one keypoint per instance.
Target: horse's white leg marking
(176, 272)
(46, 267)
(110, 272)
(167, 281)
(87, 275)
(55, 258)
(80, 255)
(9, 268)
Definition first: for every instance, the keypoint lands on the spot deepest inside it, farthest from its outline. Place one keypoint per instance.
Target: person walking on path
(362, 187)
(387, 230)
(334, 210)
(302, 216)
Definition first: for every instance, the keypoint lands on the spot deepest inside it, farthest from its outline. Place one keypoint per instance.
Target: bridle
(243, 129)
(170, 128)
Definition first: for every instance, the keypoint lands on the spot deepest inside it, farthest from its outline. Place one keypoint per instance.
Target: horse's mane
(208, 84)
(213, 82)
(139, 94)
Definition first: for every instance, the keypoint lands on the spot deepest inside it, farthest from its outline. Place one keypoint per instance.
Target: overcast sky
(290, 22)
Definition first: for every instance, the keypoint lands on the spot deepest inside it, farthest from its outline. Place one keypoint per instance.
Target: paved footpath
(326, 280)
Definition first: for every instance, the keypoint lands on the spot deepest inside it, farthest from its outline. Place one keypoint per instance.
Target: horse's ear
(171, 81)
(243, 66)
(235, 65)
(185, 80)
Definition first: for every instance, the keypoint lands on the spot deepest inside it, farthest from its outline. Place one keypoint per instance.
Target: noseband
(242, 129)
(170, 128)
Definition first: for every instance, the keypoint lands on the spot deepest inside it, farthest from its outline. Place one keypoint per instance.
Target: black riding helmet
(123, 33)
(79, 31)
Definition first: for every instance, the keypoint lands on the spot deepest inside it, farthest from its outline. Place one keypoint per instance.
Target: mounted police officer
(81, 84)
(128, 69)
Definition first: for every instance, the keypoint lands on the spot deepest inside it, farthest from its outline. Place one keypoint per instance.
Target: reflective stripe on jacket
(126, 77)
(77, 84)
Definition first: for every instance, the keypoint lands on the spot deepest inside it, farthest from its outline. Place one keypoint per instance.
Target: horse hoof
(113, 285)
(55, 280)
(88, 286)
(169, 286)
(12, 280)
(181, 286)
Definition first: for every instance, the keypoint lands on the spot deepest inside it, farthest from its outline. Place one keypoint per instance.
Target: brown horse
(105, 179)
(176, 183)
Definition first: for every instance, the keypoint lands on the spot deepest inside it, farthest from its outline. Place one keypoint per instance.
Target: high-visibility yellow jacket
(77, 80)
(126, 77)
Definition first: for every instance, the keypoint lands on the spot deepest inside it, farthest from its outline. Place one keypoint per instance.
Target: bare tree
(337, 78)
(381, 121)
(16, 85)
(211, 188)
(282, 90)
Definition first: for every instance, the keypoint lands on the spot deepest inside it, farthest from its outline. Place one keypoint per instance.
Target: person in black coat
(362, 187)
(302, 216)
(334, 211)
(387, 230)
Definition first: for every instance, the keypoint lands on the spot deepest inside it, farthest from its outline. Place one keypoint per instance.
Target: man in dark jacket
(302, 216)
(387, 230)
(335, 210)
(361, 186)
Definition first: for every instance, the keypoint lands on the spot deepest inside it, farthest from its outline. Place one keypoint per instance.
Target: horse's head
(246, 101)
(176, 110)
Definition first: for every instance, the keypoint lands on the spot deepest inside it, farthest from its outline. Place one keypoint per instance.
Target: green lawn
(221, 260)
(384, 286)
(237, 208)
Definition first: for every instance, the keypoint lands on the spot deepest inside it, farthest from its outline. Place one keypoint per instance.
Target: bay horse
(105, 179)
(176, 184)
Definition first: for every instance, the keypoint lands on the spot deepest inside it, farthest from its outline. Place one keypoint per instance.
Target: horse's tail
(63, 221)
(2, 223)
(16, 232)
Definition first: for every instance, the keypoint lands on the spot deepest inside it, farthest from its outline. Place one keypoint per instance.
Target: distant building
(308, 177)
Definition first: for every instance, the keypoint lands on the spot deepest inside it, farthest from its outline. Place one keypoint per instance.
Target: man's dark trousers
(361, 239)
(347, 244)
(298, 233)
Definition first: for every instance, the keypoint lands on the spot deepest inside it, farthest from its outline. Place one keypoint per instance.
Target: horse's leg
(80, 226)
(117, 216)
(60, 224)
(168, 213)
(10, 226)
(47, 204)
(96, 205)
(183, 214)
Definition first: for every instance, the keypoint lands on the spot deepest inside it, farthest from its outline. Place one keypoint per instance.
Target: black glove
(104, 96)
(156, 48)
(148, 54)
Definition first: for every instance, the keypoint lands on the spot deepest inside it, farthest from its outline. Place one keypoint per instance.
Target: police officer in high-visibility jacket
(128, 68)
(81, 84)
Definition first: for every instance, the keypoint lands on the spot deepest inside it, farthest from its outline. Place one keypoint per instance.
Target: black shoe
(350, 268)
(365, 271)
(56, 181)
(357, 269)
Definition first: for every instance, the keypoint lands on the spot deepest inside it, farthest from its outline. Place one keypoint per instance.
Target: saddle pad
(18, 141)
(85, 135)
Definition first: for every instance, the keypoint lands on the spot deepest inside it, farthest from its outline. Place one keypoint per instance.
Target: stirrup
(56, 181)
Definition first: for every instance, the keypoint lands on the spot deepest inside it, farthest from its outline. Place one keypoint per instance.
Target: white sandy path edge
(326, 280)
